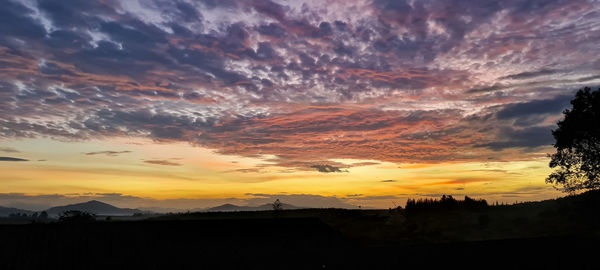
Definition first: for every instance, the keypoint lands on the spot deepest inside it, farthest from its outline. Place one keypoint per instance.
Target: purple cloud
(378, 80)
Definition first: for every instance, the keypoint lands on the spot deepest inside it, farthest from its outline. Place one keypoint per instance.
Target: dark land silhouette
(447, 232)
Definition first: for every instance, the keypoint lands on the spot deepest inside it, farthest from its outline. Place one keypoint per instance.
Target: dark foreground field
(557, 234)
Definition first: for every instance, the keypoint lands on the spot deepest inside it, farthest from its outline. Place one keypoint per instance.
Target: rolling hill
(236, 208)
(94, 207)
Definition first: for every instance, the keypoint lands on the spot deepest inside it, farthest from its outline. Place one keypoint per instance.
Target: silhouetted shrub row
(445, 203)
(34, 217)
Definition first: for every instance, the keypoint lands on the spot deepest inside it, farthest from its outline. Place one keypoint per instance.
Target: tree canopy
(577, 142)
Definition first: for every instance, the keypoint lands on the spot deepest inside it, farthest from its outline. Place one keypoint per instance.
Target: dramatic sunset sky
(333, 103)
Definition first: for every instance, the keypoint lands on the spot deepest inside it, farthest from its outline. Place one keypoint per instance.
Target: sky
(191, 104)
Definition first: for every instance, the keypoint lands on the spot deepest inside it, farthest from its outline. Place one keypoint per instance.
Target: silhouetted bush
(74, 216)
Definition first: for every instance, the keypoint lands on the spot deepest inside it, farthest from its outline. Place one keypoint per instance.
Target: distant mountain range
(104, 209)
(232, 207)
(94, 207)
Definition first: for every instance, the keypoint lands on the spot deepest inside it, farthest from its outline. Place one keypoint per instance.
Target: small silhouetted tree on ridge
(577, 157)
(277, 205)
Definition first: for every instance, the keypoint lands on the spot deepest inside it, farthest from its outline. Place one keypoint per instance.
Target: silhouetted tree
(43, 215)
(474, 203)
(577, 156)
(277, 205)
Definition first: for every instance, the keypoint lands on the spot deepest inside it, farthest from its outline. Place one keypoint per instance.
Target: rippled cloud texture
(303, 82)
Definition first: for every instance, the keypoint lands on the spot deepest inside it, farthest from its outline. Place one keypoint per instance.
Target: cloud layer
(303, 82)
(12, 159)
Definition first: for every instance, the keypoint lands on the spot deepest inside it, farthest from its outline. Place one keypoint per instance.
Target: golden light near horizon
(195, 173)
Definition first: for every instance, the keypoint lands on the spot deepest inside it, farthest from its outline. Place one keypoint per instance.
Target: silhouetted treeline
(447, 202)
(35, 217)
